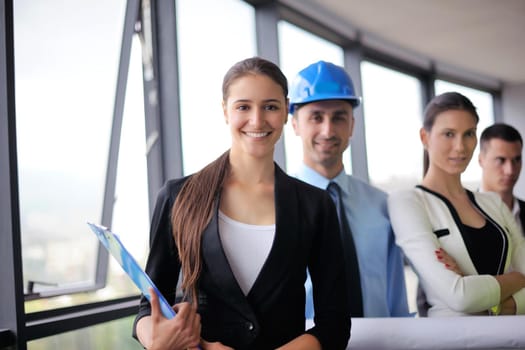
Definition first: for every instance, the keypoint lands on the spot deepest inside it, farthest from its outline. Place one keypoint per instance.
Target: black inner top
(487, 246)
(484, 245)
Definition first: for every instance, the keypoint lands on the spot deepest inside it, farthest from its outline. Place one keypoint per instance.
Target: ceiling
(482, 37)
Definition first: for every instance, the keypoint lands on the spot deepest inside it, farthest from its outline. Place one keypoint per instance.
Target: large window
(485, 107)
(298, 49)
(130, 211)
(392, 108)
(110, 335)
(66, 74)
(212, 36)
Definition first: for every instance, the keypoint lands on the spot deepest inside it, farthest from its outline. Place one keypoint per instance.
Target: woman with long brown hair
(464, 246)
(243, 233)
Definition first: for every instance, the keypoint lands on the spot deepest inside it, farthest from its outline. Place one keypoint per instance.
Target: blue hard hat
(322, 81)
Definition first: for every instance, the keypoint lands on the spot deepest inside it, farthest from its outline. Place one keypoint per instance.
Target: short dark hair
(445, 102)
(499, 131)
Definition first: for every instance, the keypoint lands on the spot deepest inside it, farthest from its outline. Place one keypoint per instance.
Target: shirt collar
(314, 178)
(515, 204)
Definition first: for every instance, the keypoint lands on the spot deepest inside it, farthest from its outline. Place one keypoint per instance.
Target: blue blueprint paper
(115, 247)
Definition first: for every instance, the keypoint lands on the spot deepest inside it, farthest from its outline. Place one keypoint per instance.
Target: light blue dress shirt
(380, 259)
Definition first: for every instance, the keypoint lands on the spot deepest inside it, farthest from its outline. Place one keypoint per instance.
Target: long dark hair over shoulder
(195, 203)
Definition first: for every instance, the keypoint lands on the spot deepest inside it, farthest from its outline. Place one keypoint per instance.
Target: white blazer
(416, 215)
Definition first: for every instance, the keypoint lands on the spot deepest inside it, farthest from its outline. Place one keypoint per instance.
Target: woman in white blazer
(464, 246)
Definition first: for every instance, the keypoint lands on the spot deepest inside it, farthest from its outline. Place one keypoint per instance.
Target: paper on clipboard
(115, 247)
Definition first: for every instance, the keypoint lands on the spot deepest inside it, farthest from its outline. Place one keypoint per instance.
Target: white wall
(514, 114)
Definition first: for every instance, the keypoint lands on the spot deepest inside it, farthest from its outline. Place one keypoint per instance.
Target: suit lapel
(279, 259)
(277, 264)
(219, 269)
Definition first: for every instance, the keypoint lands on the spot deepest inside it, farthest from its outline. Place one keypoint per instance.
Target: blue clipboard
(115, 247)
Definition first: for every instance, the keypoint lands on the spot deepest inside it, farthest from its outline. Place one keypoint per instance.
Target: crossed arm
(510, 282)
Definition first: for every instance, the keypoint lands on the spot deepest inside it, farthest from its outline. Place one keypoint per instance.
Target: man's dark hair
(499, 131)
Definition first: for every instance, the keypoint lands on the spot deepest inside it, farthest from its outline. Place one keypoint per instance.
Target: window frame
(102, 261)
(12, 328)
(16, 326)
(163, 159)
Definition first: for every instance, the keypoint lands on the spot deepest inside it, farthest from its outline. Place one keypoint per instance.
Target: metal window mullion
(497, 107)
(267, 38)
(161, 94)
(116, 129)
(167, 62)
(353, 56)
(428, 91)
(12, 321)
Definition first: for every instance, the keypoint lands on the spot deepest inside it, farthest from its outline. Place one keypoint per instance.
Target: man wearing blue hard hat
(322, 100)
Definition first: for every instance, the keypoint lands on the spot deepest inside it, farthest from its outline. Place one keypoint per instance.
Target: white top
(246, 247)
(423, 222)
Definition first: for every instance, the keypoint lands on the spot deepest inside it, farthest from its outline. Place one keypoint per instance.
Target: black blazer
(522, 215)
(272, 314)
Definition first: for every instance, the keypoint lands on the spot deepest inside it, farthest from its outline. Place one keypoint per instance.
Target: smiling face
(501, 164)
(325, 128)
(451, 141)
(255, 110)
